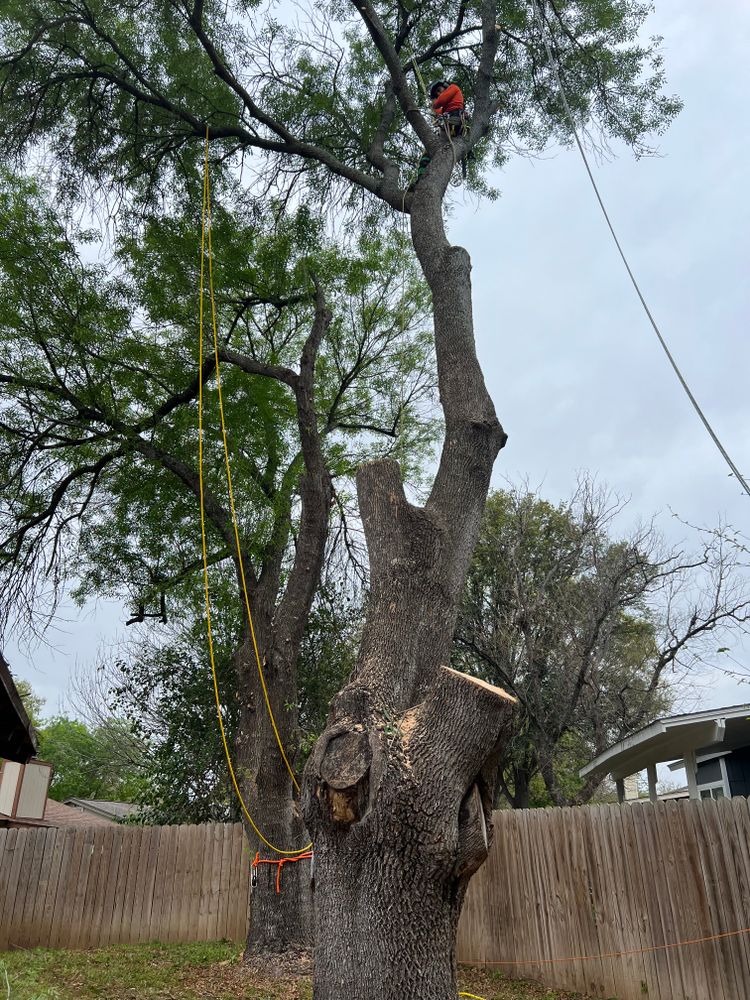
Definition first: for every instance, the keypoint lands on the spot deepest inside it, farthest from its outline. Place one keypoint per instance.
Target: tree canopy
(119, 93)
(98, 369)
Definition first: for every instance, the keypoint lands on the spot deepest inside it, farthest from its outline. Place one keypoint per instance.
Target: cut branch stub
(344, 773)
(457, 727)
(473, 834)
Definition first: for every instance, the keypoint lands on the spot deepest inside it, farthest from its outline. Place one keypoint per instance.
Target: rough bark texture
(398, 791)
(280, 921)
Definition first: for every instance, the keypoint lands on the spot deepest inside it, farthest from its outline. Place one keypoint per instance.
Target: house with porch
(713, 747)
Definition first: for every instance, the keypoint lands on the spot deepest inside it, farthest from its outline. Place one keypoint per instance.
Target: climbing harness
(207, 251)
(454, 124)
(696, 406)
(279, 862)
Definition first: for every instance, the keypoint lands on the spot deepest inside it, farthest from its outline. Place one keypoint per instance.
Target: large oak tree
(398, 790)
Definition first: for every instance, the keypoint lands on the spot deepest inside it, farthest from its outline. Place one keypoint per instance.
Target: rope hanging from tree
(207, 252)
(279, 862)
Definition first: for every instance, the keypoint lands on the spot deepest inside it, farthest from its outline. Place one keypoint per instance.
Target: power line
(714, 437)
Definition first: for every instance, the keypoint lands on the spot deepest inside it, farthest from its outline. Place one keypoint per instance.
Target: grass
(209, 971)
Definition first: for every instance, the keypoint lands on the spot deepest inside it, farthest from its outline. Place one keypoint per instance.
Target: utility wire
(714, 437)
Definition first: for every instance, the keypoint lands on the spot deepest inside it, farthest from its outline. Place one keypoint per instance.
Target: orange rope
(611, 954)
(258, 860)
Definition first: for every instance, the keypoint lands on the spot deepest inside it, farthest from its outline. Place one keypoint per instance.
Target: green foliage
(98, 363)
(32, 702)
(98, 435)
(164, 691)
(99, 763)
(120, 93)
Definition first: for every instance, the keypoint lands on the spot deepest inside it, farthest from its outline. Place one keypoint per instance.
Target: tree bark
(398, 791)
(521, 790)
(281, 916)
(281, 913)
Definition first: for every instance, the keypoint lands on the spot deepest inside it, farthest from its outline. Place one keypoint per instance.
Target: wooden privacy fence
(615, 888)
(94, 886)
(591, 899)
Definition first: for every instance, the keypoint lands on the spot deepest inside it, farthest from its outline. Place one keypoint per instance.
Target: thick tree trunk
(398, 791)
(401, 812)
(281, 915)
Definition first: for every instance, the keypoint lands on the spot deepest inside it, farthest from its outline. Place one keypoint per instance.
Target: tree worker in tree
(448, 105)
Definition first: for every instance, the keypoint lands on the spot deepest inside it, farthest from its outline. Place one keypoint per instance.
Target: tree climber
(448, 105)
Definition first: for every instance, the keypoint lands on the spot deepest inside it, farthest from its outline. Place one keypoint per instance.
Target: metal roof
(104, 807)
(58, 814)
(671, 738)
(17, 736)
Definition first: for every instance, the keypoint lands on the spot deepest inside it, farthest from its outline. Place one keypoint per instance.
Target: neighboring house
(17, 736)
(115, 812)
(23, 780)
(74, 812)
(56, 814)
(712, 746)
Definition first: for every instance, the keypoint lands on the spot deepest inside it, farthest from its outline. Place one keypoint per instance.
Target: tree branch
(399, 82)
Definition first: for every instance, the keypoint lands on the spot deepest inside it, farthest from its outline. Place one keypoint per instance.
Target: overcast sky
(576, 372)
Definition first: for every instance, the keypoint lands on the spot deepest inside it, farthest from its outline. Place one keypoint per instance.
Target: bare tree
(591, 631)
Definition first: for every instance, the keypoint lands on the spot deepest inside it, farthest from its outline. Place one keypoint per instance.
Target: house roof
(58, 814)
(17, 736)
(102, 807)
(671, 738)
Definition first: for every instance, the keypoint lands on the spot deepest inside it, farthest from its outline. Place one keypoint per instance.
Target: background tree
(32, 702)
(98, 446)
(398, 789)
(159, 687)
(101, 761)
(593, 633)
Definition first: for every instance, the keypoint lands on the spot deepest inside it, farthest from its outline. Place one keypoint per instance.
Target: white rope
(673, 363)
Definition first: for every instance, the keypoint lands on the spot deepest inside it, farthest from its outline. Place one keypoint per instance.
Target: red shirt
(451, 99)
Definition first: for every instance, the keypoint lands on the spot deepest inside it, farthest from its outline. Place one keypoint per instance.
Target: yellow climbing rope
(419, 77)
(207, 250)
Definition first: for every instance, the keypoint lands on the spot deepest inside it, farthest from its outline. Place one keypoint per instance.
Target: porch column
(691, 770)
(651, 771)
